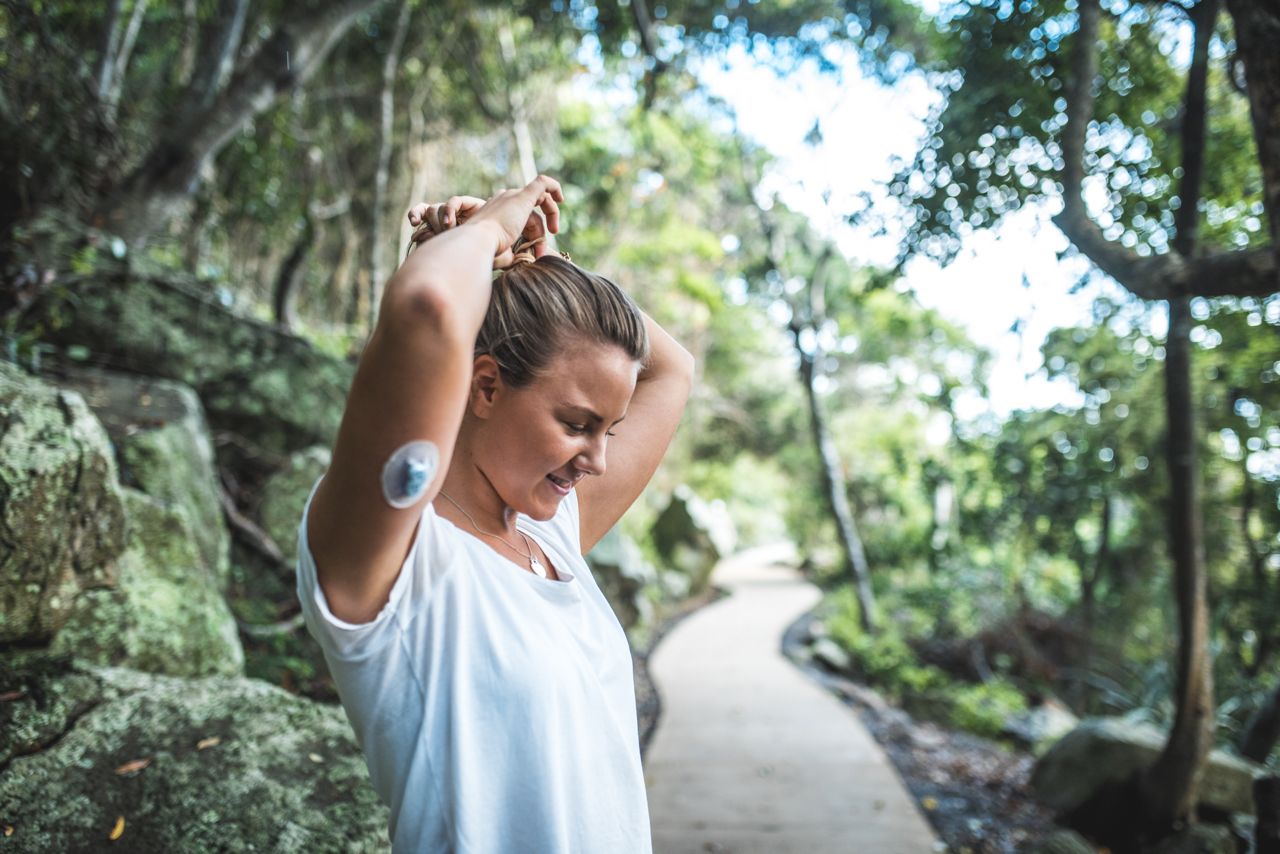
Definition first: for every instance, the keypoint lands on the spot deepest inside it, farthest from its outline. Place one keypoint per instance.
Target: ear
(486, 385)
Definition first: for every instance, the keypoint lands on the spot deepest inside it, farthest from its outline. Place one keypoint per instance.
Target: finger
(546, 184)
(435, 216)
(417, 212)
(551, 211)
(466, 206)
(449, 211)
(536, 226)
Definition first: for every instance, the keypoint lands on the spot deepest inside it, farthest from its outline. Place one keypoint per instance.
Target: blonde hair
(540, 307)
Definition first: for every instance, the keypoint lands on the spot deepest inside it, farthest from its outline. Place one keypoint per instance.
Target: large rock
(271, 388)
(623, 575)
(163, 448)
(285, 494)
(691, 536)
(1039, 728)
(285, 773)
(167, 613)
(1108, 750)
(61, 509)
(103, 571)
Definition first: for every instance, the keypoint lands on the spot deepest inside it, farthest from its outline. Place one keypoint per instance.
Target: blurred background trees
(265, 152)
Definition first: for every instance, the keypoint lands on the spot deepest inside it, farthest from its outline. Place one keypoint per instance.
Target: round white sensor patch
(409, 472)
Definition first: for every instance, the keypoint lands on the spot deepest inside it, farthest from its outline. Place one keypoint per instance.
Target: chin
(543, 513)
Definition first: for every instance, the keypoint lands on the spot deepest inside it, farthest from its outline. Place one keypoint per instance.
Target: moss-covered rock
(285, 773)
(624, 575)
(167, 613)
(691, 537)
(1102, 751)
(163, 448)
(61, 510)
(285, 494)
(270, 387)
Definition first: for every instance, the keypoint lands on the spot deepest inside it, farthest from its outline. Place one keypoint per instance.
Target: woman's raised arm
(411, 385)
(633, 455)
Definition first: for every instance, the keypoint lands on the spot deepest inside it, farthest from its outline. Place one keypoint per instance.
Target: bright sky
(864, 125)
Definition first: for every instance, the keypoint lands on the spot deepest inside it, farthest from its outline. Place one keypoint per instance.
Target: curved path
(749, 754)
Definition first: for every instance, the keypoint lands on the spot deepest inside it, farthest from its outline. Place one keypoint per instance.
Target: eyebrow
(589, 413)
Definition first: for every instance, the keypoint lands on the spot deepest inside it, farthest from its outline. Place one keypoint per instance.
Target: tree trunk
(161, 187)
(1171, 783)
(217, 57)
(285, 298)
(1266, 834)
(517, 109)
(107, 50)
(1257, 26)
(120, 64)
(377, 239)
(855, 557)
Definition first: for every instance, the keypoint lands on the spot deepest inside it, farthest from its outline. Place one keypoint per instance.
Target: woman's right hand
(528, 213)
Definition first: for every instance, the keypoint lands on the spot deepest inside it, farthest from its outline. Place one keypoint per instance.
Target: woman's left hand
(429, 220)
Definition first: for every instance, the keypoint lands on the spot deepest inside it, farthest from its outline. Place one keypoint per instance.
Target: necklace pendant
(538, 568)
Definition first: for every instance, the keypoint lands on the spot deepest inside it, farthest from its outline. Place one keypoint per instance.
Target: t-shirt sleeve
(345, 640)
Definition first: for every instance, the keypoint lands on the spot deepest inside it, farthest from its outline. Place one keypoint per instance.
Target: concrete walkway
(752, 756)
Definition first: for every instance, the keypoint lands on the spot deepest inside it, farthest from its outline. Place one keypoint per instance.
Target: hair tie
(522, 250)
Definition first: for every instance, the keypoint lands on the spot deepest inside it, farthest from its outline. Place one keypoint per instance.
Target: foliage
(888, 662)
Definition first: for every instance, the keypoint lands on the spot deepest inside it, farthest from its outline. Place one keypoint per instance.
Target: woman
(440, 557)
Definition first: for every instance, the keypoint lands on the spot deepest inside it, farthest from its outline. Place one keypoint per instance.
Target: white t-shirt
(496, 709)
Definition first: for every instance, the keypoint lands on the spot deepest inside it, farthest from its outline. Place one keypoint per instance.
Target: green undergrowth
(887, 662)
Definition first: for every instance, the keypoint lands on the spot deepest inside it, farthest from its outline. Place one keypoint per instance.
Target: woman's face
(541, 439)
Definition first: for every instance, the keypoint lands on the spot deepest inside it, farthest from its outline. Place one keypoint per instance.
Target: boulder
(124, 578)
(1038, 728)
(623, 575)
(831, 654)
(61, 508)
(691, 536)
(163, 448)
(1199, 839)
(1108, 750)
(166, 614)
(217, 764)
(265, 385)
(285, 494)
(1063, 841)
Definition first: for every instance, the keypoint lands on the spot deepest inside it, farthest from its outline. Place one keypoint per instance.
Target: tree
(1099, 106)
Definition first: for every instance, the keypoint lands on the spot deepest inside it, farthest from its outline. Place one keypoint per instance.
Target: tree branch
(1257, 26)
(171, 171)
(640, 12)
(1249, 272)
(217, 55)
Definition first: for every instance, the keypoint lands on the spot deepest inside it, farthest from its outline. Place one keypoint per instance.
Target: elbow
(686, 364)
(680, 365)
(423, 305)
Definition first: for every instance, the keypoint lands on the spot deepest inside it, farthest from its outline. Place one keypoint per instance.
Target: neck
(467, 485)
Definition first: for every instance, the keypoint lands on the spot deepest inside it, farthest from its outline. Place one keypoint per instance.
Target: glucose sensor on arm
(408, 473)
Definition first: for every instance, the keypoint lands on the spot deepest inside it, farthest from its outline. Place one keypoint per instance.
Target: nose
(591, 459)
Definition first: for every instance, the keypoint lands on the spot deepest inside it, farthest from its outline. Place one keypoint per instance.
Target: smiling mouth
(560, 483)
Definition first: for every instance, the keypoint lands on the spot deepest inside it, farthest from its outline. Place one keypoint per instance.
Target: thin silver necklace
(534, 564)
